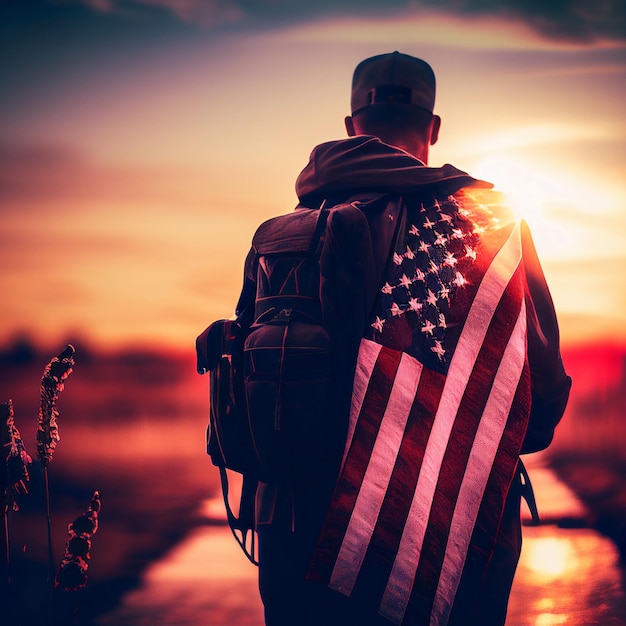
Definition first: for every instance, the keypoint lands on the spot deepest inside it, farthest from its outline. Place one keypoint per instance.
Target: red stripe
(505, 464)
(386, 537)
(347, 489)
(457, 453)
(492, 507)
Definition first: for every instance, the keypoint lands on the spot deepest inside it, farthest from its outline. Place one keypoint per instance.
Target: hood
(364, 163)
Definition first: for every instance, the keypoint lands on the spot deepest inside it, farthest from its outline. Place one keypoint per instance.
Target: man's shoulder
(487, 208)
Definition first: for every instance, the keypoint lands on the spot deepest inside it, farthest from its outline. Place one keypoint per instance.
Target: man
(448, 367)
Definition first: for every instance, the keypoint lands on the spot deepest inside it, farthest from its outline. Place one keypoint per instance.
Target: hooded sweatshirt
(366, 164)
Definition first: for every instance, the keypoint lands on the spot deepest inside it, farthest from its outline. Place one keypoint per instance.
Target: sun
(529, 191)
(541, 197)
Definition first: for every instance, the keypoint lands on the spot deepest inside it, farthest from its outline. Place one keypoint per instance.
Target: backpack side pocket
(229, 441)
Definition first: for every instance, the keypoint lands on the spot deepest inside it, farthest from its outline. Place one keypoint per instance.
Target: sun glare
(551, 558)
(537, 198)
(528, 191)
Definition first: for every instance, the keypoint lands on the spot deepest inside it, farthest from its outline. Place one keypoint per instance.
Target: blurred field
(132, 425)
(589, 450)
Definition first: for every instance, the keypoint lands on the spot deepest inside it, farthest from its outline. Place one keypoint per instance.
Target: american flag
(430, 455)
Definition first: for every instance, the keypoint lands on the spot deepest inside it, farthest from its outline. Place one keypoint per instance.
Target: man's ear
(435, 125)
(349, 126)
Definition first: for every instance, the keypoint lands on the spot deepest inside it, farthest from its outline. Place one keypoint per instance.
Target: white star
(434, 268)
(444, 292)
(424, 247)
(428, 327)
(428, 223)
(450, 259)
(419, 275)
(470, 252)
(415, 304)
(409, 253)
(457, 233)
(444, 217)
(387, 288)
(432, 298)
(405, 281)
(414, 230)
(397, 259)
(396, 310)
(378, 324)
(438, 349)
(460, 281)
(442, 320)
(441, 239)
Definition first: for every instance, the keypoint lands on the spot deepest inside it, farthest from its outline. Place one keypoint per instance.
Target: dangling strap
(244, 524)
(528, 494)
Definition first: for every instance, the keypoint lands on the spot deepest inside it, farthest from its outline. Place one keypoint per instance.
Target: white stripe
(368, 353)
(492, 286)
(482, 455)
(377, 475)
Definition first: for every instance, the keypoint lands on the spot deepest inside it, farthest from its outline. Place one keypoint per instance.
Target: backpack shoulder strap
(320, 228)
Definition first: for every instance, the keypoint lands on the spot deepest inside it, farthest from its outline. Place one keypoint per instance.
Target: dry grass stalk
(72, 573)
(15, 478)
(52, 382)
(17, 461)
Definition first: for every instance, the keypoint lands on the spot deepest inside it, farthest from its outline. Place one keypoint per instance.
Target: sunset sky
(142, 142)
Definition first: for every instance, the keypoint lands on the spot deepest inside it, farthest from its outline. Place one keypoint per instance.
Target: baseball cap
(393, 77)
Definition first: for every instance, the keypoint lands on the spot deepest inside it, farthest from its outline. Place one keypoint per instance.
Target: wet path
(566, 575)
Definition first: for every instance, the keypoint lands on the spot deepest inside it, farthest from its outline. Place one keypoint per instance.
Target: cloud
(436, 29)
(209, 13)
(578, 21)
(568, 20)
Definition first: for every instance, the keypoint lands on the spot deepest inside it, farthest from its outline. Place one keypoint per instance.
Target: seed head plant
(72, 573)
(17, 460)
(52, 382)
(15, 478)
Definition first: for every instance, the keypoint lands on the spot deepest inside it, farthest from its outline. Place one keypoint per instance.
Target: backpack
(270, 384)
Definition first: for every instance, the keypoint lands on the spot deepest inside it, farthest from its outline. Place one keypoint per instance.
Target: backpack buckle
(284, 315)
